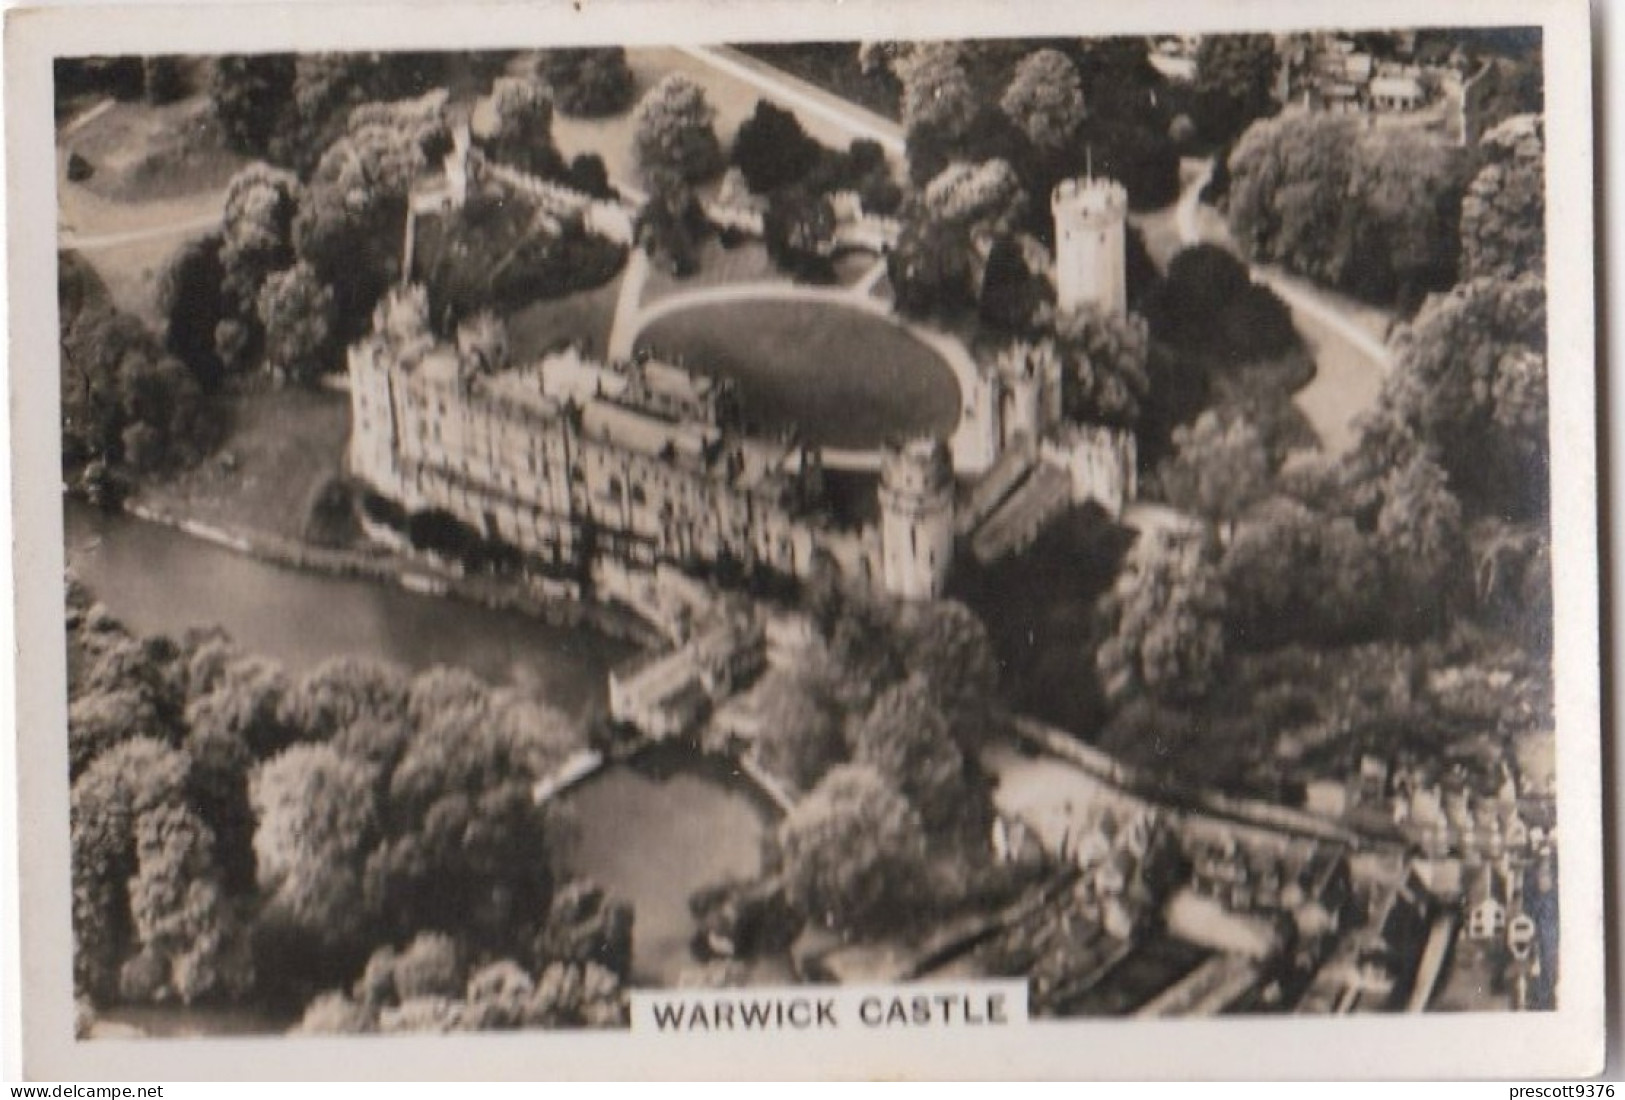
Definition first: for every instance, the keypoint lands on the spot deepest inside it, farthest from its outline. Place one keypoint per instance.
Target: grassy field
(281, 446)
(733, 98)
(846, 379)
(160, 174)
(141, 152)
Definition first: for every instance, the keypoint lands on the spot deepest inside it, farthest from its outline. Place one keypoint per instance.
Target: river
(651, 831)
(158, 580)
(654, 830)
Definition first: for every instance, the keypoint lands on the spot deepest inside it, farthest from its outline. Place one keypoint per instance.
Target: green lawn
(846, 379)
(282, 445)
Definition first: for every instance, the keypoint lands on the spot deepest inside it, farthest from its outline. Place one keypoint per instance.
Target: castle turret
(1090, 215)
(916, 518)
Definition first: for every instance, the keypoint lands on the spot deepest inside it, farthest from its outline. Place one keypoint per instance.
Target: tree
(431, 966)
(1419, 530)
(520, 131)
(182, 917)
(1470, 381)
(1290, 181)
(330, 88)
(674, 132)
(936, 91)
(98, 720)
(800, 735)
(577, 995)
(351, 220)
(248, 93)
(1105, 359)
(115, 377)
(163, 79)
(342, 691)
(483, 339)
(986, 197)
(246, 703)
(467, 847)
(325, 87)
(906, 738)
(498, 994)
(1045, 99)
(108, 800)
(590, 82)
(1012, 296)
(333, 1013)
(1503, 214)
(946, 646)
(217, 790)
(192, 302)
(318, 822)
(1202, 282)
(772, 149)
(588, 174)
(296, 308)
(1235, 77)
(256, 240)
(1219, 469)
(853, 852)
(930, 269)
(1373, 211)
(1407, 188)
(584, 926)
(1293, 575)
(1166, 615)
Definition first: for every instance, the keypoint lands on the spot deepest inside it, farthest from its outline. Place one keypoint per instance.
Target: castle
(567, 461)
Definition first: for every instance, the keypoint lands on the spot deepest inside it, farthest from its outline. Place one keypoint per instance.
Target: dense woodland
(240, 834)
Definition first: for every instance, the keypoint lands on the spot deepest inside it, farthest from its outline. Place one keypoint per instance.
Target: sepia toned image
(637, 537)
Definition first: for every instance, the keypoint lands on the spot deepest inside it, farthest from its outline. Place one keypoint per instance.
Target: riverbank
(422, 576)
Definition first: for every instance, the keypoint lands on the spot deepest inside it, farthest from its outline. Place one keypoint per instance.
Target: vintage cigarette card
(804, 539)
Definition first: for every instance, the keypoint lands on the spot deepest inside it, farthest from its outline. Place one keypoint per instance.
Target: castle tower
(457, 166)
(1089, 225)
(916, 518)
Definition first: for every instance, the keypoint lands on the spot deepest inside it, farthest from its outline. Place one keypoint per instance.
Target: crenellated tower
(1090, 216)
(916, 518)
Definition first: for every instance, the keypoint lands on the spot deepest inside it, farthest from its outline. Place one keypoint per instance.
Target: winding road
(1350, 360)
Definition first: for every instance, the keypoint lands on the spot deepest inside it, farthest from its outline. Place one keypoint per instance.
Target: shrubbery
(496, 253)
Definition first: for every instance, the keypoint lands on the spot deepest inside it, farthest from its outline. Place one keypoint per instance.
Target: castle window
(638, 496)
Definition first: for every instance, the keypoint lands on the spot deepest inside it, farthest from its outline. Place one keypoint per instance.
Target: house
(1486, 913)
(670, 694)
(1396, 93)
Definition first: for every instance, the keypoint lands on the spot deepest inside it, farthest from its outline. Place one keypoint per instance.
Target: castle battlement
(570, 461)
(1090, 236)
(1089, 198)
(919, 466)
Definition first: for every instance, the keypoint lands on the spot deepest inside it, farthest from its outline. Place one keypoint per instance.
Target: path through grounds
(1351, 359)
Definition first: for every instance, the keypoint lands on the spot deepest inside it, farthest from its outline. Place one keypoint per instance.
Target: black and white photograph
(1039, 528)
